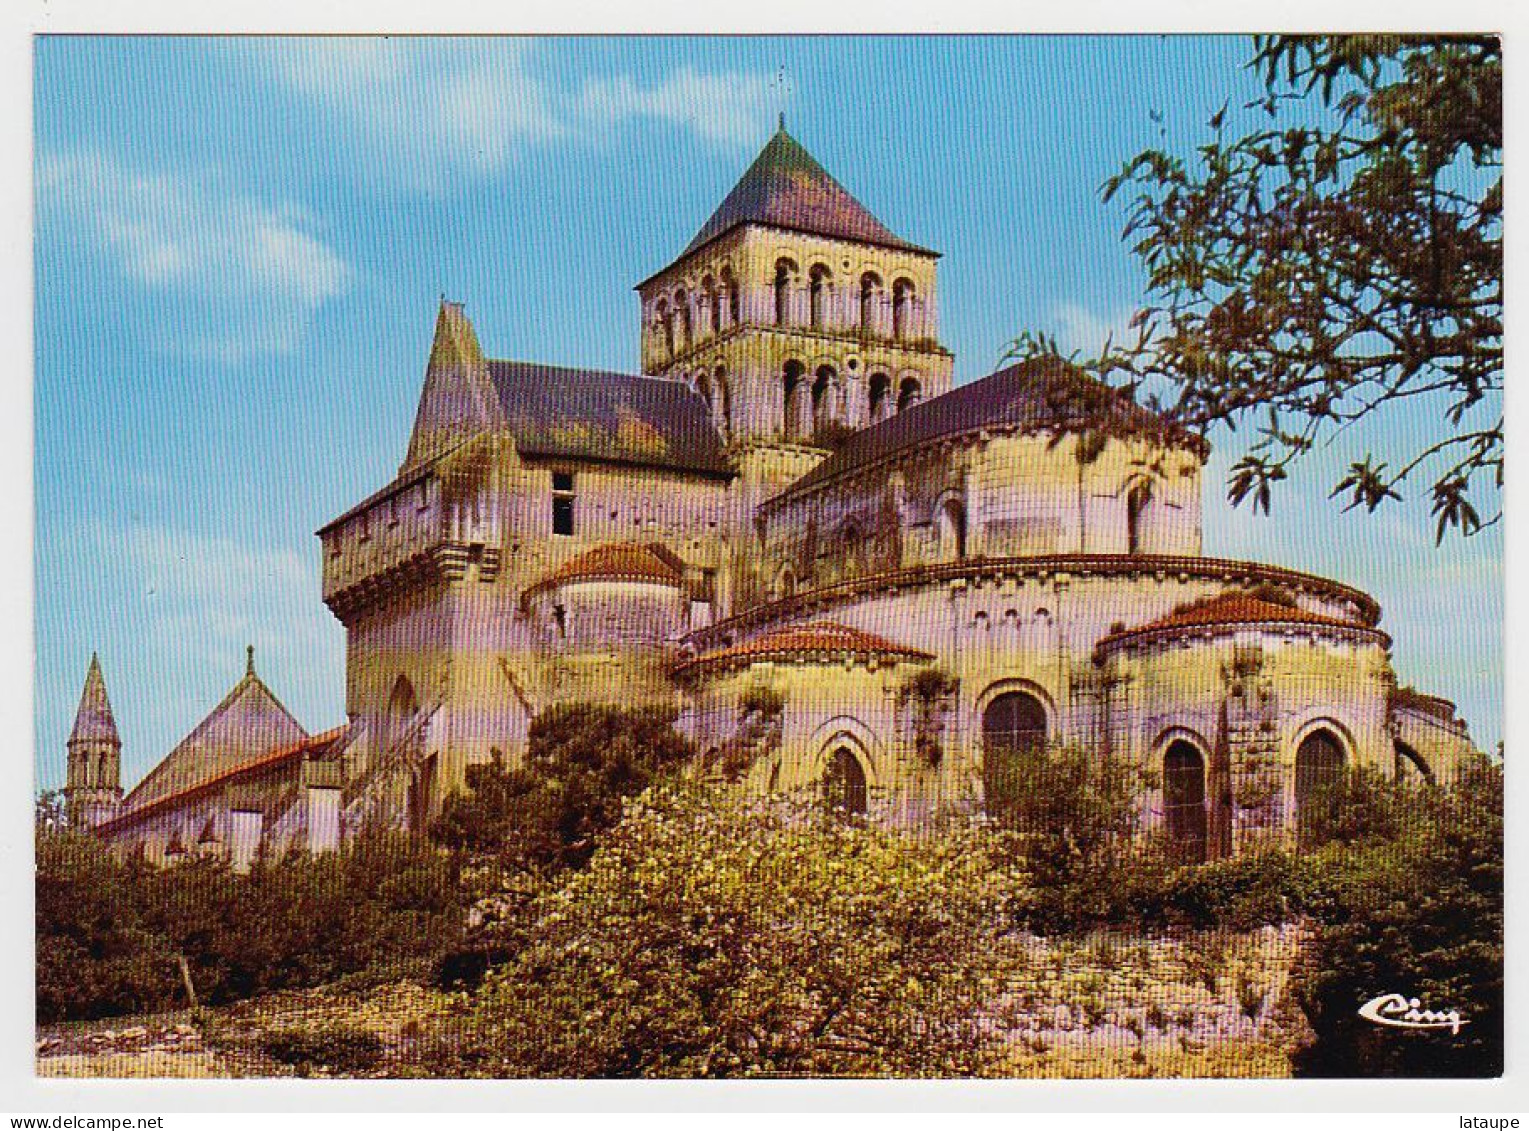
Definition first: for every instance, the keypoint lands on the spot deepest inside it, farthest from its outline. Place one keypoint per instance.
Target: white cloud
(252, 274)
(427, 110)
(1076, 327)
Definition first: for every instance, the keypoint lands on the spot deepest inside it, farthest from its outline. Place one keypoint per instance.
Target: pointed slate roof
(249, 724)
(785, 187)
(93, 722)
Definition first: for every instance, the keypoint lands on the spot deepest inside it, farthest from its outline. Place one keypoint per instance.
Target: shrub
(1418, 913)
(711, 935)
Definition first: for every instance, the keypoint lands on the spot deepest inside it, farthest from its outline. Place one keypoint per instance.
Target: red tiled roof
(617, 561)
(1234, 609)
(820, 638)
(254, 766)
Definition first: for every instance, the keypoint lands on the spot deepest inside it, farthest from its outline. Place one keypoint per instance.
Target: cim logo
(1402, 1012)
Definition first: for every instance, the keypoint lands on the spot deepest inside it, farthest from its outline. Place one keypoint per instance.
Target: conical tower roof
(93, 722)
(785, 187)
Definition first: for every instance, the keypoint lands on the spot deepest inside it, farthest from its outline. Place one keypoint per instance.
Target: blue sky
(240, 245)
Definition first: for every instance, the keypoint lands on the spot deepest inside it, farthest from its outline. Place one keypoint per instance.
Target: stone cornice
(1161, 567)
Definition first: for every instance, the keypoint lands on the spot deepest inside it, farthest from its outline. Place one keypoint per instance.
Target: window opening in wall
(817, 296)
(908, 394)
(1013, 730)
(560, 619)
(1137, 501)
(1409, 763)
(562, 502)
(1318, 776)
(869, 285)
(1184, 802)
(844, 783)
(902, 298)
(880, 396)
(783, 292)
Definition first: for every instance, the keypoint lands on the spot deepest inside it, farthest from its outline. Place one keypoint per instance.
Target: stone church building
(841, 572)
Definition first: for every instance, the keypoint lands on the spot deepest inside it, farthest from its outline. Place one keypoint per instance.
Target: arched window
(730, 285)
(682, 304)
(1138, 499)
(797, 405)
(1184, 802)
(724, 401)
(825, 397)
(844, 782)
(952, 531)
(1013, 730)
(1409, 763)
(666, 320)
(908, 394)
(902, 308)
(1318, 774)
(880, 397)
(713, 299)
(784, 269)
(870, 287)
(785, 584)
(852, 547)
(402, 707)
(817, 293)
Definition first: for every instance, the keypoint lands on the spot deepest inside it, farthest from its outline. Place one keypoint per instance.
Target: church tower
(799, 317)
(93, 784)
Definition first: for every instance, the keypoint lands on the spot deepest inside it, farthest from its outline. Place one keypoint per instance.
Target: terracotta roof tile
(617, 561)
(826, 639)
(1233, 609)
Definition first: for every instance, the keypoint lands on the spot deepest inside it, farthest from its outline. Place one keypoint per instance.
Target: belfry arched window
(1319, 769)
(666, 321)
(713, 299)
(902, 308)
(1184, 802)
(784, 270)
(734, 301)
(1013, 730)
(797, 404)
(825, 396)
(870, 288)
(682, 304)
(880, 392)
(844, 782)
(908, 393)
(817, 294)
(724, 401)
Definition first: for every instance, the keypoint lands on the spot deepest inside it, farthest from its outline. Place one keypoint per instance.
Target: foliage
(1415, 909)
(1340, 260)
(108, 933)
(512, 829)
(49, 814)
(714, 936)
(1075, 819)
(96, 957)
(1237, 894)
(343, 1050)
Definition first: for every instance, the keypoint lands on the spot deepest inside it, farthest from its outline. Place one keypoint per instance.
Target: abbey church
(842, 573)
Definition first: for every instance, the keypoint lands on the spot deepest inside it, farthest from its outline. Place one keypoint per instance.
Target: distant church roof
(588, 414)
(823, 640)
(785, 187)
(1038, 393)
(248, 725)
(617, 561)
(93, 722)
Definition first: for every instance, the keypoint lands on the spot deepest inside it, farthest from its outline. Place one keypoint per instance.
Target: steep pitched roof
(821, 640)
(248, 725)
(1039, 393)
(617, 561)
(785, 187)
(93, 722)
(588, 414)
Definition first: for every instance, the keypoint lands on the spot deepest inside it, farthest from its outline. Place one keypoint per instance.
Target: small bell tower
(93, 785)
